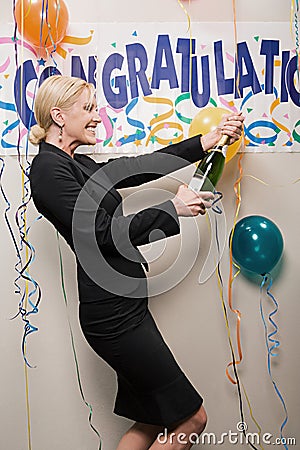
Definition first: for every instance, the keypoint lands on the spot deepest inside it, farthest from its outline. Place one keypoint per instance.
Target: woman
(79, 197)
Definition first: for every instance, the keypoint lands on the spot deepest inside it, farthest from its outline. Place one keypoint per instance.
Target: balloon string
(27, 406)
(237, 190)
(237, 380)
(238, 75)
(186, 13)
(271, 184)
(218, 197)
(21, 309)
(28, 329)
(45, 12)
(295, 21)
(26, 255)
(73, 345)
(252, 415)
(272, 343)
(191, 39)
(42, 24)
(23, 271)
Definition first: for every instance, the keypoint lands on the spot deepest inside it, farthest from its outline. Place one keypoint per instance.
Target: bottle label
(224, 150)
(196, 183)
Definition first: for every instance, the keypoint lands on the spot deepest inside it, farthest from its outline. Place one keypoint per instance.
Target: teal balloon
(257, 244)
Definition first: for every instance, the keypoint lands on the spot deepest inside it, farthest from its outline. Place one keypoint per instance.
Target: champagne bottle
(210, 168)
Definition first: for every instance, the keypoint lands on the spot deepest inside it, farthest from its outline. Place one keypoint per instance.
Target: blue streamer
(140, 134)
(49, 33)
(22, 273)
(218, 197)
(272, 343)
(34, 292)
(8, 106)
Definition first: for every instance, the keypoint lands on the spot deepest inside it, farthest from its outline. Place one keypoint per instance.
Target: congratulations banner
(152, 79)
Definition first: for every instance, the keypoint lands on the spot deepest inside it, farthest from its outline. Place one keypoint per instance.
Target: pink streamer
(225, 103)
(8, 40)
(5, 65)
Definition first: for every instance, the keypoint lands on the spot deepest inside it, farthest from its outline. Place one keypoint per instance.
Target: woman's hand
(190, 203)
(231, 125)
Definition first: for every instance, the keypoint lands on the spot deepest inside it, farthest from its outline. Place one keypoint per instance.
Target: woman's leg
(139, 437)
(183, 435)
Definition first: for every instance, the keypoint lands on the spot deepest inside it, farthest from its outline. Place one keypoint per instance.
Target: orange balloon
(206, 120)
(42, 23)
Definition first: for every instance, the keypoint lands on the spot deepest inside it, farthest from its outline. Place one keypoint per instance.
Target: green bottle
(210, 168)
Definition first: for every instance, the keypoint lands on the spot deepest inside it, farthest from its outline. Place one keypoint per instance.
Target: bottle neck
(223, 141)
(219, 149)
(224, 150)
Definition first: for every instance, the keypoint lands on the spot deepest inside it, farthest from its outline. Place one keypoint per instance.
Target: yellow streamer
(237, 189)
(73, 40)
(61, 51)
(27, 400)
(278, 124)
(161, 118)
(77, 40)
(232, 278)
(27, 12)
(252, 416)
(237, 81)
(232, 350)
(271, 184)
(26, 304)
(191, 40)
(186, 13)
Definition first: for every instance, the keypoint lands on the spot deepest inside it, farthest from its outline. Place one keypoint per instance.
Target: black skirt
(152, 388)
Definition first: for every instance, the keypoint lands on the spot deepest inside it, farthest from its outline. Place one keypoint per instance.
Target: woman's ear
(57, 116)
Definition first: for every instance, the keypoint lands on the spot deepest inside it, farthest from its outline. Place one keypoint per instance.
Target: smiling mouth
(91, 129)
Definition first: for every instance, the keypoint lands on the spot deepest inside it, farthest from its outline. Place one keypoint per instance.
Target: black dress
(79, 197)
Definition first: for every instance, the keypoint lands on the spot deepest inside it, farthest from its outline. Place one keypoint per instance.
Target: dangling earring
(60, 133)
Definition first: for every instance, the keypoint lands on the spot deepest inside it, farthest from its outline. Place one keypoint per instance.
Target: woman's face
(81, 120)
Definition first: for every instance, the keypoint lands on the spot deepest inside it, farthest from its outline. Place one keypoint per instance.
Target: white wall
(190, 315)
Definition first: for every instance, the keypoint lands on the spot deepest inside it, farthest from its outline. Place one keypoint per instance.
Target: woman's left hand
(231, 125)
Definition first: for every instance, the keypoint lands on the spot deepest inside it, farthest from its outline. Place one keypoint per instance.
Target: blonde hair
(56, 91)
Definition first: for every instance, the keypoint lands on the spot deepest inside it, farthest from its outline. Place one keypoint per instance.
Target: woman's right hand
(190, 203)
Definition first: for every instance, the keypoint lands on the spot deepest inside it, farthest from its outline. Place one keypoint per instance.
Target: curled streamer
(16, 41)
(179, 99)
(140, 132)
(108, 123)
(274, 125)
(294, 21)
(27, 304)
(49, 30)
(234, 362)
(261, 124)
(5, 65)
(272, 343)
(296, 135)
(162, 118)
(278, 124)
(75, 40)
(237, 190)
(6, 218)
(229, 105)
